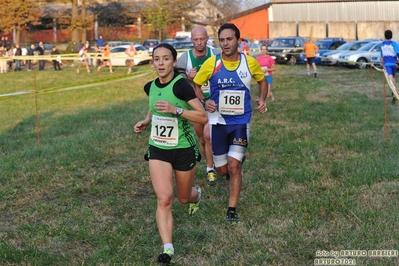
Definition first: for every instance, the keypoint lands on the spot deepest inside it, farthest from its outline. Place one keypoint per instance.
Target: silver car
(361, 57)
(331, 58)
(376, 60)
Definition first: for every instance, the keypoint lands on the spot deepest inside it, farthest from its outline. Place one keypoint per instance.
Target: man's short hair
(230, 26)
(388, 34)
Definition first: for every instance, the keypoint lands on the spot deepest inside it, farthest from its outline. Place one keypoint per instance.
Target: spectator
(18, 52)
(10, 55)
(24, 54)
(243, 47)
(30, 52)
(57, 60)
(3, 62)
(40, 50)
(151, 47)
(75, 50)
(100, 41)
(6, 43)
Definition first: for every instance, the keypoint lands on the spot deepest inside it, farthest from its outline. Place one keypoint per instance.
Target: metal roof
(321, 1)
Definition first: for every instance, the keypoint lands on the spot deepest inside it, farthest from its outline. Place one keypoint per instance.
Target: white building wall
(336, 11)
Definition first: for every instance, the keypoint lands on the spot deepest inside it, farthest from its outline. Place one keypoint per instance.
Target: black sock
(231, 209)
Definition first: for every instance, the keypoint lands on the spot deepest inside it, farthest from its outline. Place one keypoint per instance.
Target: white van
(183, 36)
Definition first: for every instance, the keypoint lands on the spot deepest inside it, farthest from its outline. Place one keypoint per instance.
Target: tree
(161, 14)
(115, 13)
(18, 15)
(80, 22)
(217, 12)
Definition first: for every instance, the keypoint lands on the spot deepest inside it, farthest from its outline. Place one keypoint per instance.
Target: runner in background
(310, 50)
(131, 52)
(389, 57)
(267, 64)
(192, 61)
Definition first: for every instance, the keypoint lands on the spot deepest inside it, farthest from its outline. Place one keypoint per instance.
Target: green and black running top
(169, 131)
(197, 62)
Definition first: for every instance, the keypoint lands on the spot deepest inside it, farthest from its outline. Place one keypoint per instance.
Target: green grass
(321, 174)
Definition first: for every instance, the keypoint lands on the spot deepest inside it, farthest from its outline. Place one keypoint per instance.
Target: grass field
(321, 175)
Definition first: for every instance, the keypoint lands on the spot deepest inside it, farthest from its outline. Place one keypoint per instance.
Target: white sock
(209, 169)
(169, 246)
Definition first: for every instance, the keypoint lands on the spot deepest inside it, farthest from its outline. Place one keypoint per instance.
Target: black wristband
(203, 101)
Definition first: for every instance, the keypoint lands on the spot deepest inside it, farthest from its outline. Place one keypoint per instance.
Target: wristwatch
(179, 111)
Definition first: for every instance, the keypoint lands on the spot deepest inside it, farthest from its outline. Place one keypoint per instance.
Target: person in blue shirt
(100, 41)
(389, 57)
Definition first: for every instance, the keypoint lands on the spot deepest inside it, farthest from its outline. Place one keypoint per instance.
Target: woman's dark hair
(178, 70)
(167, 46)
(230, 26)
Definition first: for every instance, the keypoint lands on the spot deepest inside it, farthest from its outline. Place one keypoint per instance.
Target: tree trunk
(83, 19)
(75, 17)
(17, 35)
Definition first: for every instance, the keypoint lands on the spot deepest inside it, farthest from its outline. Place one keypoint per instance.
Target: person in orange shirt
(310, 50)
(106, 60)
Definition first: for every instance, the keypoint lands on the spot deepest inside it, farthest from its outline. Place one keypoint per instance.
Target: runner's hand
(210, 105)
(261, 106)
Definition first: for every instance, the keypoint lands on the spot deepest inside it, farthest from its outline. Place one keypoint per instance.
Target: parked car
(325, 45)
(267, 42)
(361, 57)
(120, 58)
(254, 49)
(147, 44)
(287, 49)
(112, 43)
(376, 61)
(331, 58)
(168, 41)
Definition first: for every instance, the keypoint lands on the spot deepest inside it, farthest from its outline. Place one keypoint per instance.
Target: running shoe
(166, 256)
(193, 207)
(211, 178)
(232, 218)
(271, 96)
